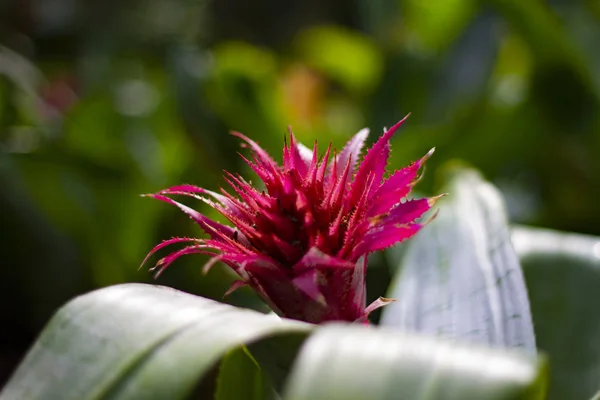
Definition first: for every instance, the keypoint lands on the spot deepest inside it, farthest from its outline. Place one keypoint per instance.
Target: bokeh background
(103, 100)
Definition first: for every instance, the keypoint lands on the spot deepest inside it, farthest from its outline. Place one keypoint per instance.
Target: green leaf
(354, 362)
(562, 271)
(460, 277)
(240, 377)
(136, 341)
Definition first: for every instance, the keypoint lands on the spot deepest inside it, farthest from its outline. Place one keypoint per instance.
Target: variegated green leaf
(356, 363)
(460, 277)
(136, 341)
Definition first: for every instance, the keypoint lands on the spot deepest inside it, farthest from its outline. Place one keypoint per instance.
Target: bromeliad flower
(302, 243)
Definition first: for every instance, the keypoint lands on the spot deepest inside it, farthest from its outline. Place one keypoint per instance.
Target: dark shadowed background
(101, 101)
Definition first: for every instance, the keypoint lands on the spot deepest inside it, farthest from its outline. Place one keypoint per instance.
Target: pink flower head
(302, 243)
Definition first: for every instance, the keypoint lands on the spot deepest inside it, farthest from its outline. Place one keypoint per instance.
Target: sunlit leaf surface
(352, 363)
(460, 277)
(136, 341)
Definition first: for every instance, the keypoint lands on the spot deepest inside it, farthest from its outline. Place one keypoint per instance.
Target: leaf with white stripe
(460, 277)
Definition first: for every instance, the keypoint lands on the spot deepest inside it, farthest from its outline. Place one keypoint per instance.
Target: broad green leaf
(136, 341)
(240, 377)
(562, 271)
(354, 362)
(460, 277)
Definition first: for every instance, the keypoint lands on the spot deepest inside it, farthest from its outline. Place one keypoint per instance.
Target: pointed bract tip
(158, 264)
(380, 302)
(395, 127)
(402, 120)
(421, 164)
(364, 132)
(434, 216)
(387, 300)
(157, 273)
(432, 200)
(240, 135)
(144, 262)
(429, 154)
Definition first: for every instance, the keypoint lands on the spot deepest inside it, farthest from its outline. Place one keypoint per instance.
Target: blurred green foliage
(103, 101)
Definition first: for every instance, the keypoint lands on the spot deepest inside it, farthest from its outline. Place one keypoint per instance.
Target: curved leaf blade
(460, 277)
(136, 341)
(354, 362)
(562, 271)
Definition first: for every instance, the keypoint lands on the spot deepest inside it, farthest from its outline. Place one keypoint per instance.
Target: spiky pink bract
(302, 244)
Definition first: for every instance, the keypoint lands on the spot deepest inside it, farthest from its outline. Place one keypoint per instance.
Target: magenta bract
(302, 243)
